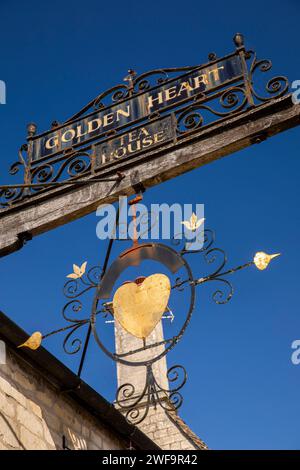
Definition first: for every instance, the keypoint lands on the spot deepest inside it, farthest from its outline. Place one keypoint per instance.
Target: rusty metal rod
(59, 183)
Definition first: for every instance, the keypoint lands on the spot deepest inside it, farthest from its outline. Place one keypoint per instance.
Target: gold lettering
(151, 100)
(79, 132)
(117, 152)
(215, 73)
(104, 155)
(94, 125)
(170, 93)
(200, 79)
(132, 136)
(138, 147)
(72, 134)
(122, 112)
(185, 86)
(159, 136)
(147, 141)
(108, 119)
(54, 143)
(143, 131)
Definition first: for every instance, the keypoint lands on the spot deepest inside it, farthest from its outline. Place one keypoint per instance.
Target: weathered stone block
(30, 441)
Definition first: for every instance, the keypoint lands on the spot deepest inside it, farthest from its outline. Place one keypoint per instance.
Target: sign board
(127, 112)
(134, 122)
(140, 139)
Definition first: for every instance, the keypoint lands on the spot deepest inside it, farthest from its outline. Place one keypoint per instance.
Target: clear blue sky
(243, 390)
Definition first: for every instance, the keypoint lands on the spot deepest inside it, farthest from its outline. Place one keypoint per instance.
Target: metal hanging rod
(119, 177)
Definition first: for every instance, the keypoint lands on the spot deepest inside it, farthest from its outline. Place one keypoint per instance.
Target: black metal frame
(136, 407)
(191, 115)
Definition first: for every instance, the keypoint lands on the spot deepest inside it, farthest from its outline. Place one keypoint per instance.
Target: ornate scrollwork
(10, 195)
(113, 95)
(136, 408)
(76, 343)
(276, 87)
(75, 306)
(205, 238)
(212, 256)
(148, 80)
(220, 296)
(74, 288)
(192, 118)
(136, 84)
(76, 164)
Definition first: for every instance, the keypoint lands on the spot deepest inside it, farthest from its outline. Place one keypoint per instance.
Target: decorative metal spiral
(147, 80)
(75, 306)
(8, 196)
(73, 165)
(78, 166)
(178, 375)
(43, 173)
(112, 95)
(211, 256)
(275, 87)
(190, 119)
(74, 288)
(94, 275)
(220, 296)
(232, 99)
(206, 237)
(73, 345)
(136, 407)
(15, 168)
(76, 343)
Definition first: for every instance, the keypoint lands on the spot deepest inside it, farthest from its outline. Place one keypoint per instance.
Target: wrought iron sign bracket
(163, 107)
(101, 283)
(55, 184)
(159, 108)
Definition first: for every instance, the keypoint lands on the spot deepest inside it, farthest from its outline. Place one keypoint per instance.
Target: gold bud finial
(262, 260)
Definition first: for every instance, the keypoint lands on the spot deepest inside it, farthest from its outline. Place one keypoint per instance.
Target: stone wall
(33, 415)
(162, 430)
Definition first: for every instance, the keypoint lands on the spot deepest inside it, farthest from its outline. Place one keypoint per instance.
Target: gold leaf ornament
(193, 223)
(78, 271)
(33, 342)
(262, 260)
(138, 307)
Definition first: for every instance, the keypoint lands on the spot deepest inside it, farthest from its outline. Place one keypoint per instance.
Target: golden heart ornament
(139, 306)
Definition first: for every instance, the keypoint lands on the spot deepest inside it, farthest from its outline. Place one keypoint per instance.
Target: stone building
(43, 405)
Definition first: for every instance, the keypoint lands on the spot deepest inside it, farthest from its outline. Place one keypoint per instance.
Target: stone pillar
(165, 428)
(125, 342)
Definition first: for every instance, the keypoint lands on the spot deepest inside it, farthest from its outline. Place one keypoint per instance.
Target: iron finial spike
(239, 40)
(31, 129)
(130, 77)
